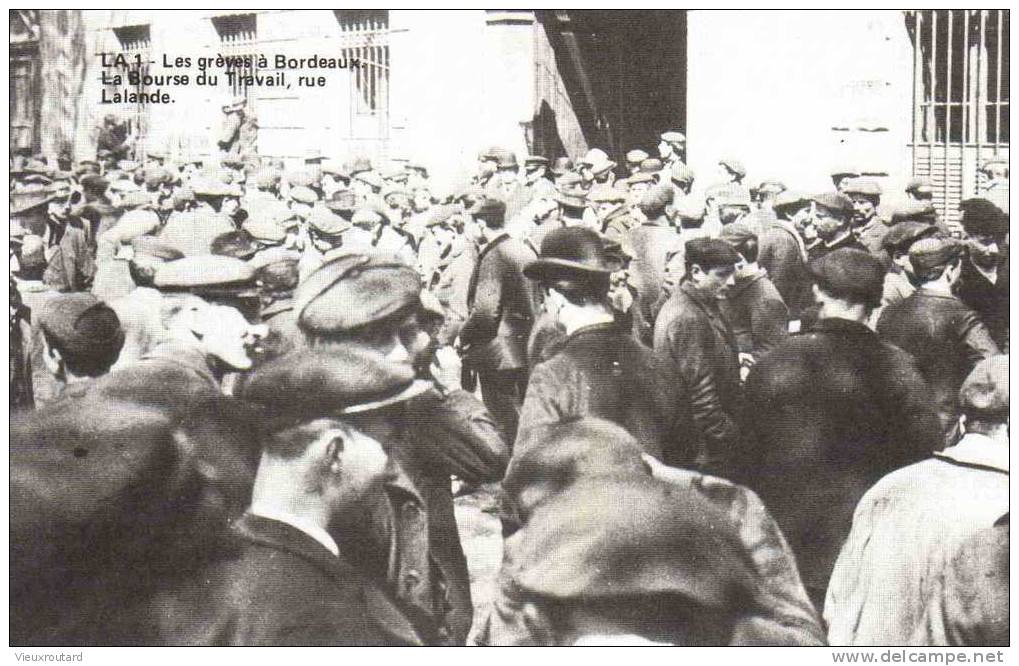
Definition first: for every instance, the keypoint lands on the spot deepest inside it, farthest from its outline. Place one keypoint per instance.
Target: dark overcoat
(282, 587)
(834, 409)
(502, 304)
(946, 338)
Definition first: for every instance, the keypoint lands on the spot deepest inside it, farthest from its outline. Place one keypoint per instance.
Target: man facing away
(834, 408)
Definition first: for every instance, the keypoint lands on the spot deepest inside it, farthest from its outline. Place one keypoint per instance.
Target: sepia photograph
(509, 327)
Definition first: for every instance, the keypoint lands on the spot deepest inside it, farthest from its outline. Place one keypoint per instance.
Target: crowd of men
(247, 396)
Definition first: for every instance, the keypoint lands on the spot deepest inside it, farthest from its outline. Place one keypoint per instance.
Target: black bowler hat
(572, 251)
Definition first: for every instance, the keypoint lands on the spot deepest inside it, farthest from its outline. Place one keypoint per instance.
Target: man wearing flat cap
(907, 528)
(782, 252)
(613, 216)
(537, 177)
(81, 339)
(598, 369)
(984, 284)
(192, 232)
(410, 539)
(841, 177)
(823, 431)
(694, 344)
(205, 334)
(833, 214)
(672, 148)
(503, 306)
(289, 583)
(633, 159)
(900, 281)
(650, 244)
(946, 337)
(868, 227)
(71, 243)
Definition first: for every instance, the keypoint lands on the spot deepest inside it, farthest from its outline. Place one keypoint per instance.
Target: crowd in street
(245, 395)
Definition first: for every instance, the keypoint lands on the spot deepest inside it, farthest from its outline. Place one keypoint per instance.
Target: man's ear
(696, 272)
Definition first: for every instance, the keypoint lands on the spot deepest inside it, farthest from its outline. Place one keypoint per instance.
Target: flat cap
(919, 211)
(928, 254)
(394, 189)
(863, 186)
(640, 177)
(920, 185)
(335, 168)
(94, 185)
(982, 216)
(506, 159)
(681, 173)
(200, 272)
(342, 201)
(849, 273)
(733, 165)
(984, 393)
(369, 177)
(673, 136)
(346, 380)
(327, 223)
(395, 173)
(636, 156)
(304, 195)
(903, 234)
(156, 176)
(210, 187)
(132, 224)
(123, 185)
(842, 171)
(790, 199)
(80, 323)
(135, 199)
(535, 161)
(353, 290)
(301, 178)
(834, 201)
(710, 253)
(606, 194)
(277, 272)
(737, 234)
(238, 243)
(183, 196)
(440, 215)
(652, 165)
(366, 216)
(151, 246)
(358, 165)
(267, 177)
(128, 165)
(489, 209)
(689, 208)
(561, 165)
(656, 200)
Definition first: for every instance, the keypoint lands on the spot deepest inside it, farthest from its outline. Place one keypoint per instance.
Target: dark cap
(710, 253)
(345, 380)
(851, 274)
(737, 235)
(239, 244)
(917, 211)
(572, 252)
(490, 210)
(984, 394)
(835, 202)
(353, 290)
(80, 324)
(94, 185)
(903, 234)
(928, 254)
(981, 216)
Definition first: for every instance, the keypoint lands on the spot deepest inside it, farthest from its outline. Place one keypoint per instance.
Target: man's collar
(839, 324)
(977, 449)
(596, 324)
(306, 526)
(848, 235)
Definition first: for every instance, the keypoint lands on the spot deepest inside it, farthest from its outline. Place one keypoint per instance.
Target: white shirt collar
(977, 449)
(302, 524)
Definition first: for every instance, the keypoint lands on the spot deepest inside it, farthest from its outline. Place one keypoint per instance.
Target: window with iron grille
(238, 34)
(960, 97)
(364, 36)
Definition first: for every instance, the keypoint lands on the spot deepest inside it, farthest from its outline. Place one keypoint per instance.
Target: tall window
(24, 79)
(364, 35)
(960, 97)
(237, 36)
(134, 40)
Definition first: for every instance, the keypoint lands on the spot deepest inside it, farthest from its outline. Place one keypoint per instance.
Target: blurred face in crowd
(230, 205)
(220, 331)
(984, 249)
(637, 190)
(829, 224)
(667, 150)
(508, 176)
(422, 199)
(534, 174)
(401, 340)
(864, 208)
(728, 214)
(486, 167)
(606, 208)
(713, 280)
